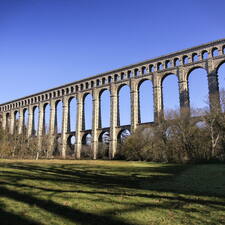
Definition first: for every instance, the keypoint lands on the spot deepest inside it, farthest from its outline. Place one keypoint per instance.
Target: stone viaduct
(208, 56)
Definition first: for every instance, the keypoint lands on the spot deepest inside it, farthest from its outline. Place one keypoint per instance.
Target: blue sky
(46, 43)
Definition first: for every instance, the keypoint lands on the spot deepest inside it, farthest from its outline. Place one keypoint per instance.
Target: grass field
(110, 192)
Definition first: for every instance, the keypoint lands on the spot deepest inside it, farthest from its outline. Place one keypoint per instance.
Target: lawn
(110, 192)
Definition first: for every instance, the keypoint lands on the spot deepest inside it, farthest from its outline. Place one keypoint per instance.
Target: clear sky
(47, 43)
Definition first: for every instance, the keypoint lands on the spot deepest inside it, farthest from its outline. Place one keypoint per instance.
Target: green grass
(110, 192)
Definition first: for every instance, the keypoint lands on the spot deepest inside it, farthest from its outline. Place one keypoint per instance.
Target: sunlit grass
(110, 192)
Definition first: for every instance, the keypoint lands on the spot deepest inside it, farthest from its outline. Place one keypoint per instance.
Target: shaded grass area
(110, 192)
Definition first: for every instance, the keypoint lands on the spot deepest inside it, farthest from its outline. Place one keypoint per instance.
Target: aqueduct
(208, 56)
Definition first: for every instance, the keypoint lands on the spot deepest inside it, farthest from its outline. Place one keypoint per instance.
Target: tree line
(187, 135)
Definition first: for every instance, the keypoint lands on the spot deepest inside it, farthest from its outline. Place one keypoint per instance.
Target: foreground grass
(110, 192)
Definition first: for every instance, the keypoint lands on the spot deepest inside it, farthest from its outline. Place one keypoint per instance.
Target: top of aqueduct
(94, 81)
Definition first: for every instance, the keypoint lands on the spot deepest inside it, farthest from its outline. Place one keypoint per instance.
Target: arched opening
(124, 105)
(194, 57)
(116, 76)
(57, 146)
(103, 146)
(72, 114)
(71, 145)
(105, 108)
(159, 66)
(25, 120)
(205, 55)
(146, 101)
(136, 72)
(168, 64)
(123, 134)
(122, 76)
(200, 124)
(59, 116)
(129, 74)
(144, 70)
(198, 91)
(86, 146)
(221, 80)
(223, 49)
(16, 121)
(109, 79)
(176, 62)
(7, 121)
(35, 120)
(170, 93)
(215, 52)
(151, 68)
(46, 118)
(185, 59)
(87, 112)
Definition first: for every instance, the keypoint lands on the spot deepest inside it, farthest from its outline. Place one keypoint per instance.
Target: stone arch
(103, 80)
(59, 115)
(167, 64)
(136, 72)
(46, 119)
(205, 54)
(195, 57)
(35, 111)
(104, 110)
(16, 115)
(124, 107)
(86, 152)
(71, 141)
(176, 62)
(215, 52)
(143, 70)
(57, 146)
(97, 82)
(185, 59)
(170, 92)
(116, 76)
(198, 96)
(109, 79)
(103, 146)
(219, 65)
(191, 70)
(87, 112)
(146, 100)
(129, 74)
(151, 68)
(72, 110)
(220, 70)
(122, 135)
(159, 66)
(25, 120)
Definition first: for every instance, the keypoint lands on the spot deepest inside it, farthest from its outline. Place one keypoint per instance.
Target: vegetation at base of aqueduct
(111, 192)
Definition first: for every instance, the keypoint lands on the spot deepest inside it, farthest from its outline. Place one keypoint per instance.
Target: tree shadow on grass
(120, 182)
(74, 215)
(8, 218)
